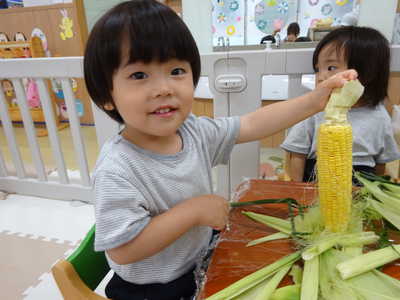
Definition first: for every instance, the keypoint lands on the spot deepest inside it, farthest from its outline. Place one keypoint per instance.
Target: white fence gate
(41, 69)
(234, 79)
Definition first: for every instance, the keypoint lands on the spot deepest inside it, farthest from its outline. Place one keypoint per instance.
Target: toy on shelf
(21, 48)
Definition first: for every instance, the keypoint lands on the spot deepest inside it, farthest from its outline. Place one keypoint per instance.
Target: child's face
(291, 38)
(330, 62)
(153, 99)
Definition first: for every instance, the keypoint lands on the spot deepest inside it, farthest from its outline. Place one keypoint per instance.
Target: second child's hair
(293, 28)
(149, 30)
(367, 51)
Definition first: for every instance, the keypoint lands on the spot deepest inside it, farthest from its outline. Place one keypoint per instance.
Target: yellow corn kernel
(334, 173)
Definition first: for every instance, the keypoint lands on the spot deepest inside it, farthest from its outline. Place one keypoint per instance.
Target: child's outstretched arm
(271, 119)
(164, 229)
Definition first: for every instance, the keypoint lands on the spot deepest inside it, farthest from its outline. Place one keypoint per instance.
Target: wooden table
(232, 260)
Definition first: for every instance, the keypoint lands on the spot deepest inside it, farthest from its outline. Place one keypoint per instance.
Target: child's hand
(211, 210)
(324, 89)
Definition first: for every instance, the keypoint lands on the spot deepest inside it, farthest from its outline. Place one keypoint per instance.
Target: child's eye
(332, 68)
(139, 75)
(178, 71)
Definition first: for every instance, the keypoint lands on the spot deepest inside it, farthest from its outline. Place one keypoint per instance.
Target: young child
(154, 202)
(292, 31)
(367, 51)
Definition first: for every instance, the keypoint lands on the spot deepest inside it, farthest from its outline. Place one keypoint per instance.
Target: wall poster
(245, 22)
(228, 22)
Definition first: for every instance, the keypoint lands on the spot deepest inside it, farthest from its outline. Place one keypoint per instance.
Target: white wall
(379, 15)
(197, 16)
(96, 8)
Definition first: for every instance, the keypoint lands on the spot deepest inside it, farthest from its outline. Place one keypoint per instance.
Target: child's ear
(108, 106)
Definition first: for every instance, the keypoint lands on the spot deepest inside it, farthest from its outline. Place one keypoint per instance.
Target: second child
(367, 51)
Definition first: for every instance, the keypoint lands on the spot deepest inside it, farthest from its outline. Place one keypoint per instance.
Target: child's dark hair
(293, 28)
(151, 30)
(367, 51)
(268, 38)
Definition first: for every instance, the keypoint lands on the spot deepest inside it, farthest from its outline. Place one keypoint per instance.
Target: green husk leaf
(380, 178)
(297, 274)
(391, 193)
(251, 293)
(311, 222)
(373, 188)
(341, 100)
(276, 223)
(310, 283)
(369, 261)
(289, 292)
(272, 284)
(344, 240)
(271, 237)
(375, 285)
(387, 212)
(332, 286)
(253, 279)
(320, 246)
(392, 187)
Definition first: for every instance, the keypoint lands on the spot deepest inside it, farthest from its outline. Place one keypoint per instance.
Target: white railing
(222, 69)
(252, 65)
(42, 69)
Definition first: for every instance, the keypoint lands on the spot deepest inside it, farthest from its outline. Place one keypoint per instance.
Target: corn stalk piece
(334, 158)
(253, 279)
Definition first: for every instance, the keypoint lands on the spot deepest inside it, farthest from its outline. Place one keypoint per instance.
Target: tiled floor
(34, 234)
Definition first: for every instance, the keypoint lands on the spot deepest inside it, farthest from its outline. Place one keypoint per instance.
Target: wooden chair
(78, 276)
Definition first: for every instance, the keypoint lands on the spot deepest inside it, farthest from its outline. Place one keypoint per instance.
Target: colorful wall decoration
(245, 22)
(228, 21)
(266, 16)
(311, 11)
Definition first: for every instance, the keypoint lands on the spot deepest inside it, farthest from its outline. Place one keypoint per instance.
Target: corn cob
(334, 158)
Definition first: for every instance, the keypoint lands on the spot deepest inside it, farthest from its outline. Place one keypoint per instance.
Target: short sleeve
(389, 149)
(120, 210)
(220, 136)
(299, 138)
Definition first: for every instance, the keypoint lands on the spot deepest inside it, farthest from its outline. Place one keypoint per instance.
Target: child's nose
(163, 88)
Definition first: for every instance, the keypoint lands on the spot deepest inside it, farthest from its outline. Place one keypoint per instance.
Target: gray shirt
(132, 185)
(373, 140)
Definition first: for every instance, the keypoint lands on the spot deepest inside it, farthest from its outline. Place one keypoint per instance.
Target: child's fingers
(346, 76)
(349, 74)
(339, 79)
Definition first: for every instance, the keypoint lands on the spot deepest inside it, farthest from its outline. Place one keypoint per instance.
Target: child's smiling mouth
(164, 111)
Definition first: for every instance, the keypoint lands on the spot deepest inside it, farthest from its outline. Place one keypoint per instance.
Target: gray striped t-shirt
(132, 185)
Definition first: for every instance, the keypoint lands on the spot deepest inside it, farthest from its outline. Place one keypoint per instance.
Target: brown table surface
(232, 260)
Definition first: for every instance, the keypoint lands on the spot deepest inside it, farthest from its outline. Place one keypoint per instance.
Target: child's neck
(161, 145)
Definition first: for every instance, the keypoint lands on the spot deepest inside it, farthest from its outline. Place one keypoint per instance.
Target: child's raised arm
(271, 119)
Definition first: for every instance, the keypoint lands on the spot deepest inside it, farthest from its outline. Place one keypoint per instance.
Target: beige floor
(34, 234)
(89, 138)
(20, 269)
